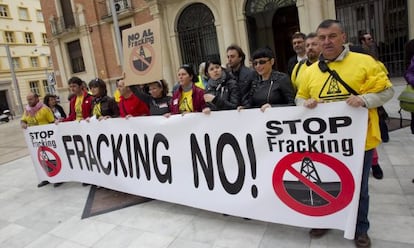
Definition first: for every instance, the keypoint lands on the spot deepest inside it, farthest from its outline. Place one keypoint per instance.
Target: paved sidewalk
(12, 145)
(51, 217)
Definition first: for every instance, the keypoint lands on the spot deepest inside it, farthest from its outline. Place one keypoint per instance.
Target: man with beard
(368, 45)
(243, 75)
(313, 50)
(36, 113)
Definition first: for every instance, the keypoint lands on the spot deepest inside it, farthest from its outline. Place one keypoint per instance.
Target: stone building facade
(83, 41)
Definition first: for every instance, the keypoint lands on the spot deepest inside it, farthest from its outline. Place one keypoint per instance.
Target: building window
(44, 38)
(39, 16)
(16, 63)
(75, 55)
(34, 87)
(197, 35)
(29, 37)
(9, 36)
(4, 11)
(49, 61)
(23, 14)
(121, 5)
(34, 62)
(122, 28)
(46, 87)
(67, 13)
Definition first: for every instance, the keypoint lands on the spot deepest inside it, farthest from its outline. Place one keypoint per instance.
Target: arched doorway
(285, 24)
(197, 35)
(271, 23)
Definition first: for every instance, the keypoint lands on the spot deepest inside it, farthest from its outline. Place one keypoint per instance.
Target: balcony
(59, 27)
(123, 9)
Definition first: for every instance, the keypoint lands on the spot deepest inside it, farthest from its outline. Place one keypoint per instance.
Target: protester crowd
(322, 57)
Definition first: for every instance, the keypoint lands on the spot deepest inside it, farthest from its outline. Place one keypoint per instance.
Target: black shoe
(377, 172)
(42, 183)
(362, 240)
(317, 232)
(57, 184)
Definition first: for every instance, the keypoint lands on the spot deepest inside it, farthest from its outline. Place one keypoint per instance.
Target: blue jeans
(362, 225)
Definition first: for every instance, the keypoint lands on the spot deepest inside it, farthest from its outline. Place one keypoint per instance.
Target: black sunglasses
(261, 62)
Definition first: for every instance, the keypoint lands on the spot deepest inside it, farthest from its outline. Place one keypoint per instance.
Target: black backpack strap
(325, 68)
(303, 61)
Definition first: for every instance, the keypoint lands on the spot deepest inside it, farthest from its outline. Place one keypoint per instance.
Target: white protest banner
(288, 165)
(142, 53)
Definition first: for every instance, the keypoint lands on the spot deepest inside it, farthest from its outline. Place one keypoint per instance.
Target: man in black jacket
(298, 44)
(243, 75)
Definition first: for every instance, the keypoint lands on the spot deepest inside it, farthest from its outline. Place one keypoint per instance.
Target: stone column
(410, 8)
(168, 74)
(229, 35)
(315, 13)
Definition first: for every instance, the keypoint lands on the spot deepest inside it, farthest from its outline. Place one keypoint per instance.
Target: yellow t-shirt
(361, 72)
(97, 110)
(117, 95)
(42, 117)
(295, 77)
(78, 107)
(186, 101)
(200, 83)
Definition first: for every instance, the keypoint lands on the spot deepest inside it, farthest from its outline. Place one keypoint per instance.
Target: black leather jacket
(277, 91)
(226, 91)
(244, 78)
(108, 106)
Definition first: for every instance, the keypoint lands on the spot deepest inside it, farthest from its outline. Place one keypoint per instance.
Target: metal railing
(197, 35)
(385, 20)
(58, 26)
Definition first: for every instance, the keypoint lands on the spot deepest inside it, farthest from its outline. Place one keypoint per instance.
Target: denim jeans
(362, 225)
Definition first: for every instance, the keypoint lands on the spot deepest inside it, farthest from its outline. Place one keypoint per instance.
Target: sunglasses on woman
(261, 62)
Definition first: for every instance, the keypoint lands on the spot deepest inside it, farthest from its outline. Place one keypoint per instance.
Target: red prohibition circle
(334, 203)
(50, 168)
(133, 55)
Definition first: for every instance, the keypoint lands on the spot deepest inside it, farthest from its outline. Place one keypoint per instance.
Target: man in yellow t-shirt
(371, 88)
(36, 113)
(313, 50)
